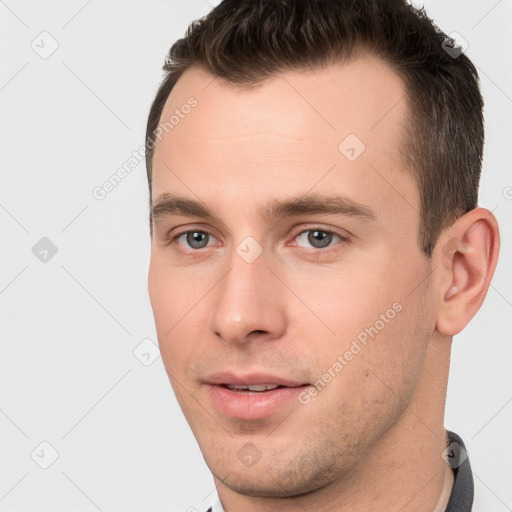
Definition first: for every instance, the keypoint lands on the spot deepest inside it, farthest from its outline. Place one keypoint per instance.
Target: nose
(249, 303)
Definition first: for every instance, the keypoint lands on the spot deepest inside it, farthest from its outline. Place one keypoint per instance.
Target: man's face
(331, 291)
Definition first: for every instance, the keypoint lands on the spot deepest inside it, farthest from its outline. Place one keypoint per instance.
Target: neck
(403, 471)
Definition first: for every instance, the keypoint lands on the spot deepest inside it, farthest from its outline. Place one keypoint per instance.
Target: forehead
(287, 133)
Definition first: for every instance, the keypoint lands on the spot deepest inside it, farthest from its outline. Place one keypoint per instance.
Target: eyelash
(312, 250)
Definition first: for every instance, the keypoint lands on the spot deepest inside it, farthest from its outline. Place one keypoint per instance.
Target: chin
(253, 486)
(287, 480)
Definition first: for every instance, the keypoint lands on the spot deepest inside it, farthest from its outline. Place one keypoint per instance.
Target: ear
(467, 254)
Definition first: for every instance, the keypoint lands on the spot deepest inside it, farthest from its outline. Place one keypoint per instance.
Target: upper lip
(247, 379)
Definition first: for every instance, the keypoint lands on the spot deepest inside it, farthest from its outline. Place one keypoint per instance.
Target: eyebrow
(166, 205)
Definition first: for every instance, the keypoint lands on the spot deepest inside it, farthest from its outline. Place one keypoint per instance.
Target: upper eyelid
(192, 226)
(335, 233)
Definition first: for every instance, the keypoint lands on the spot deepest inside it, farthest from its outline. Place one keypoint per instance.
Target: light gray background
(69, 326)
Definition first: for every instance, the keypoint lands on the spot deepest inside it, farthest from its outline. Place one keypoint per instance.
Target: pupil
(197, 239)
(319, 238)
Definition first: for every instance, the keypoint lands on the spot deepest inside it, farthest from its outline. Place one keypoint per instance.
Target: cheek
(173, 293)
(181, 306)
(343, 301)
(369, 316)
(170, 304)
(162, 301)
(369, 386)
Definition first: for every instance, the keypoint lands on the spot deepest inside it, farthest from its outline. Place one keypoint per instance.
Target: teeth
(254, 387)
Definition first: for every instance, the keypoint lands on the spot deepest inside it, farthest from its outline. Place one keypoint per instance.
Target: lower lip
(254, 406)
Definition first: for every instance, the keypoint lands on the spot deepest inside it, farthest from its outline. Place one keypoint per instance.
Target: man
(316, 244)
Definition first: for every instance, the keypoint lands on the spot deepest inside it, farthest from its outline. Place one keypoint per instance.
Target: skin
(375, 433)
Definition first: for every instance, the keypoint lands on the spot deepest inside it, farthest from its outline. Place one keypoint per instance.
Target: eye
(194, 239)
(317, 238)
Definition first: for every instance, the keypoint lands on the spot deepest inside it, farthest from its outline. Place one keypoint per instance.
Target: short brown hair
(247, 41)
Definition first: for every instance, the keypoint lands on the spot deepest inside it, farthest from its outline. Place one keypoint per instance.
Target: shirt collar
(461, 498)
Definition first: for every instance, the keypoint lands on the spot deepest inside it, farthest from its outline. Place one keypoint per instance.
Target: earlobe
(467, 255)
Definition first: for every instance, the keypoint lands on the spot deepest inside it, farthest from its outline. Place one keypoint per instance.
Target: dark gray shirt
(461, 498)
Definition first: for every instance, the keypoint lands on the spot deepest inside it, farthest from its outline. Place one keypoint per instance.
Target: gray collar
(461, 498)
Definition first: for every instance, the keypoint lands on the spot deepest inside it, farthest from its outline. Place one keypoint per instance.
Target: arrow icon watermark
(44, 250)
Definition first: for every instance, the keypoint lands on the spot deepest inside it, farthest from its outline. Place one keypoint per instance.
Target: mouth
(251, 397)
(252, 389)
